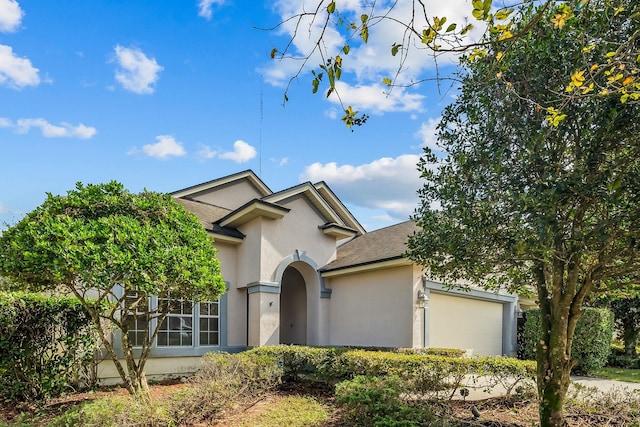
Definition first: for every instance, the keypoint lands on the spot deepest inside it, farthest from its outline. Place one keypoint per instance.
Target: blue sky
(167, 94)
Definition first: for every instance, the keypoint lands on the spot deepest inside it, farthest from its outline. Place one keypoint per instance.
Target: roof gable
(311, 193)
(209, 186)
(339, 207)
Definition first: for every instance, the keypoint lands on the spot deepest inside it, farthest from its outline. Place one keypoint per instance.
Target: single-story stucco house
(300, 269)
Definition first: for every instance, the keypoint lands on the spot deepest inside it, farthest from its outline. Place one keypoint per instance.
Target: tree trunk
(553, 356)
(553, 382)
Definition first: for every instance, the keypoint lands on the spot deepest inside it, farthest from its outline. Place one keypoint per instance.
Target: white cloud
(205, 7)
(165, 147)
(3, 209)
(137, 72)
(389, 184)
(16, 72)
(428, 134)
(375, 99)
(206, 153)
(63, 130)
(242, 152)
(10, 16)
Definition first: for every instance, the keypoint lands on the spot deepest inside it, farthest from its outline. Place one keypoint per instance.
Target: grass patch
(618, 374)
(290, 411)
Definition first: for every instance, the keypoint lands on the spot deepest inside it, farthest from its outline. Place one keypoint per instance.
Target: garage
(467, 323)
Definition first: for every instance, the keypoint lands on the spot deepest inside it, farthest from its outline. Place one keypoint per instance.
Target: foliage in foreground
(535, 196)
(46, 344)
(222, 382)
(101, 242)
(228, 382)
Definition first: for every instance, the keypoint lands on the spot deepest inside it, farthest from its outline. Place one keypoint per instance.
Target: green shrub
(376, 401)
(117, 411)
(222, 381)
(591, 340)
(618, 358)
(45, 343)
(434, 351)
(323, 363)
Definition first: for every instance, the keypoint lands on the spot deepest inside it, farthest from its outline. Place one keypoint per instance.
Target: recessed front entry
(293, 308)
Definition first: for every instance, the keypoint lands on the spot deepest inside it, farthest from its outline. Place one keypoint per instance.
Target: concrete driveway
(605, 385)
(479, 390)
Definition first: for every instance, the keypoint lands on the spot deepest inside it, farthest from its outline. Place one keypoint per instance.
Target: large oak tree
(540, 186)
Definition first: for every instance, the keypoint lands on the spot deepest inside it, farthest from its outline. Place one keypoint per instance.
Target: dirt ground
(494, 412)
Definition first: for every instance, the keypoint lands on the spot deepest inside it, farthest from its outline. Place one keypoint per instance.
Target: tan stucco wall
(155, 368)
(264, 319)
(249, 253)
(297, 230)
(374, 308)
(230, 196)
(465, 323)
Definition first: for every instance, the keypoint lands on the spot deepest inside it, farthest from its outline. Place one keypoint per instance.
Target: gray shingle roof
(207, 214)
(379, 245)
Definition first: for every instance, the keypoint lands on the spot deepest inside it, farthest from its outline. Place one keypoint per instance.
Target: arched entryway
(293, 307)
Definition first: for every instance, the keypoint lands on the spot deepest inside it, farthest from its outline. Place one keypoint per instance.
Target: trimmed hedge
(44, 342)
(591, 340)
(421, 374)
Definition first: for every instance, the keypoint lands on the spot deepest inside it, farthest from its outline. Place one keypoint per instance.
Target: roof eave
(366, 266)
(254, 209)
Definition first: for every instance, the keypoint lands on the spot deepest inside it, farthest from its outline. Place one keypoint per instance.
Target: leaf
(386, 81)
(364, 18)
(487, 6)
(394, 49)
(273, 52)
(365, 33)
(451, 27)
(346, 49)
(332, 7)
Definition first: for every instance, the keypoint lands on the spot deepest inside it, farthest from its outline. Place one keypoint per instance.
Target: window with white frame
(137, 322)
(177, 328)
(186, 324)
(209, 323)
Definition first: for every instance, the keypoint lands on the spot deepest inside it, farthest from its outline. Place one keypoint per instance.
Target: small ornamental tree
(102, 243)
(530, 197)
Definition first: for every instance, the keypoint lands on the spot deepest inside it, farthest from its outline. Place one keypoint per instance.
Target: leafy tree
(332, 30)
(523, 199)
(101, 242)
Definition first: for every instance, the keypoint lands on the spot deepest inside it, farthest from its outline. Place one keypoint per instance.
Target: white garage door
(458, 322)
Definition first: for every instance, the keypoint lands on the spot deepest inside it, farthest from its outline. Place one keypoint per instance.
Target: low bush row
(424, 375)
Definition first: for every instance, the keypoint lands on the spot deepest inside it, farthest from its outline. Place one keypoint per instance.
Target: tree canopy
(332, 32)
(103, 242)
(524, 199)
